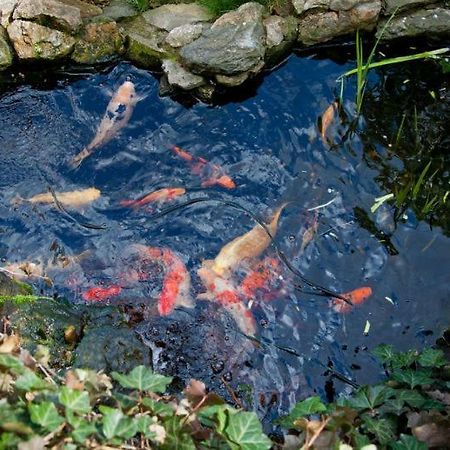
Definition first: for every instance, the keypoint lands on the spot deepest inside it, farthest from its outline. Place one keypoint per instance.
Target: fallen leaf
(160, 433)
(195, 391)
(73, 382)
(35, 443)
(10, 344)
(433, 434)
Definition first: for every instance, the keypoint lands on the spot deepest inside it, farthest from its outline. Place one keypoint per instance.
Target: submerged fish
(357, 296)
(260, 278)
(159, 196)
(326, 120)
(117, 115)
(211, 174)
(245, 247)
(100, 294)
(73, 199)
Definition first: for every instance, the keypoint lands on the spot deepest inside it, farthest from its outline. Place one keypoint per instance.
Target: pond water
(267, 139)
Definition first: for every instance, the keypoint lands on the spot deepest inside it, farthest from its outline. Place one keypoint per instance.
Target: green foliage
(139, 5)
(218, 7)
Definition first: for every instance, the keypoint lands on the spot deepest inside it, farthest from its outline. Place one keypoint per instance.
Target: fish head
(226, 182)
(126, 93)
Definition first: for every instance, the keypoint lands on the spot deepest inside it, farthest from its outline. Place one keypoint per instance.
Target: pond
(267, 139)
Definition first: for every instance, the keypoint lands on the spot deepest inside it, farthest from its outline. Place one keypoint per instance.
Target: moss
(18, 299)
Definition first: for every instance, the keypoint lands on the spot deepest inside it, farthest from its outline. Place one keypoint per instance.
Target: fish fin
(185, 300)
(17, 200)
(205, 296)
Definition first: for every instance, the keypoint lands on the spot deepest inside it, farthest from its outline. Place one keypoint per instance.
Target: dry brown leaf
(6, 381)
(443, 397)
(326, 120)
(10, 344)
(73, 382)
(36, 443)
(195, 391)
(433, 434)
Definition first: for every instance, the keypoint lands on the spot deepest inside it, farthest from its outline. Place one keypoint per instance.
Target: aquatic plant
(81, 408)
(139, 5)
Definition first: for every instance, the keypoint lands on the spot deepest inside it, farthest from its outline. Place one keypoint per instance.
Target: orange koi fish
(357, 296)
(176, 283)
(222, 291)
(211, 174)
(100, 294)
(159, 196)
(326, 120)
(260, 278)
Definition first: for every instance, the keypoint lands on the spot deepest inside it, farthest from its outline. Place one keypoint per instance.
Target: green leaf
(432, 358)
(385, 353)
(244, 432)
(10, 362)
(143, 424)
(84, 430)
(74, 400)
(144, 379)
(214, 415)
(413, 398)
(29, 381)
(127, 428)
(413, 377)
(394, 406)
(157, 407)
(46, 415)
(110, 421)
(408, 443)
(383, 429)
(368, 397)
(311, 405)
(125, 402)
(176, 438)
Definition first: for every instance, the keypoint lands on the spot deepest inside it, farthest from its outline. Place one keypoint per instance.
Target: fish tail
(76, 161)
(17, 200)
(182, 153)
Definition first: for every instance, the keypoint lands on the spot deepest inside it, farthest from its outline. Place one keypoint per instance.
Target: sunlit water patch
(271, 147)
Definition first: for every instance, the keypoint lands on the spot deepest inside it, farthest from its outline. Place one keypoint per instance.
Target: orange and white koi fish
(159, 196)
(260, 278)
(245, 247)
(73, 199)
(223, 291)
(117, 115)
(211, 174)
(326, 120)
(357, 296)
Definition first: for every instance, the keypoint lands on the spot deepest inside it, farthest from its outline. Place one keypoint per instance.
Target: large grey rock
(33, 41)
(168, 17)
(6, 11)
(119, 10)
(389, 6)
(281, 33)
(6, 59)
(430, 22)
(145, 43)
(87, 10)
(51, 13)
(302, 6)
(179, 77)
(234, 43)
(184, 34)
(321, 26)
(99, 42)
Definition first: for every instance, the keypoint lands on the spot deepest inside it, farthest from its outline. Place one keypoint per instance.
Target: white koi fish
(117, 115)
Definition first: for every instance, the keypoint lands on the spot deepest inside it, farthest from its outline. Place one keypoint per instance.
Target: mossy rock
(12, 287)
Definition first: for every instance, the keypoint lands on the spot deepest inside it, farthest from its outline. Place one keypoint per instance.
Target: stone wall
(196, 51)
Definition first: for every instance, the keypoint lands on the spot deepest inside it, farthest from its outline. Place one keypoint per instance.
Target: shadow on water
(267, 139)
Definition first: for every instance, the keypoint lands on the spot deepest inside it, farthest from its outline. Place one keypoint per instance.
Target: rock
(6, 11)
(51, 13)
(184, 34)
(281, 33)
(234, 43)
(111, 348)
(389, 6)
(119, 10)
(430, 22)
(87, 10)
(178, 76)
(168, 17)
(144, 43)
(205, 93)
(33, 41)
(99, 42)
(6, 59)
(8, 285)
(301, 6)
(316, 27)
(232, 81)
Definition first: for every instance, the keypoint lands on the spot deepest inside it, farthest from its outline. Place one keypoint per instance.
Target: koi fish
(117, 115)
(260, 278)
(357, 296)
(176, 283)
(100, 294)
(159, 196)
(245, 247)
(73, 199)
(211, 174)
(326, 120)
(309, 233)
(223, 291)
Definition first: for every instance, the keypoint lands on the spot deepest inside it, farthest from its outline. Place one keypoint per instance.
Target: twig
(231, 392)
(309, 444)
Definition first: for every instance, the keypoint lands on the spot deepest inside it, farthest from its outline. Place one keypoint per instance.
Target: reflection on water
(271, 147)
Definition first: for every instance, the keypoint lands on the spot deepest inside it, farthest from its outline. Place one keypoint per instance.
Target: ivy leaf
(75, 401)
(214, 415)
(127, 428)
(159, 408)
(29, 381)
(432, 358)
(143, 426)
(385, 353)
(383, 429)
(244, 432)
(13, 364)
(176, 437)
(394, 406)
(413, 398)
(311, 405)
(110, 421)
(413, 377)
(46, 415)
(144, 379)
(369, 397)
(84, 430)
(408, 443)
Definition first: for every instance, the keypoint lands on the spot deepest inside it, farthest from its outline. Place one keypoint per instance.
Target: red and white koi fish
(116, 117)
(101, 294)
(223, 291)
(210, 173)
(159, 196)
(357, 296)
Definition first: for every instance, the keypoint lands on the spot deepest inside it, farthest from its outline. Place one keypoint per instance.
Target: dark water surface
(271, 146)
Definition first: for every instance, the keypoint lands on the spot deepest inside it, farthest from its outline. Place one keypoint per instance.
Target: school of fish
(263, 274)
